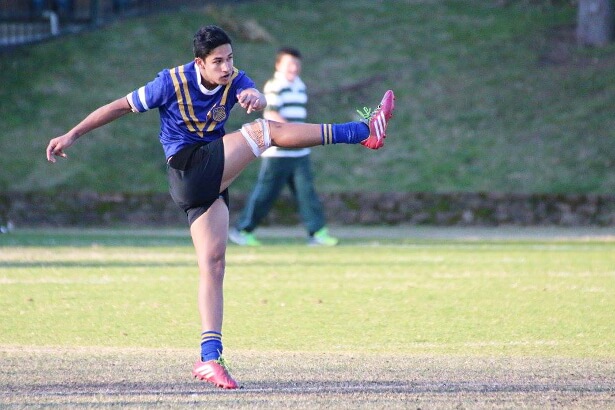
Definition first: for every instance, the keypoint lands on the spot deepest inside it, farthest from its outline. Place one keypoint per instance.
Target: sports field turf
(397, 317)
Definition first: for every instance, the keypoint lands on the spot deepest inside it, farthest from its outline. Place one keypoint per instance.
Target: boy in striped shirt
(286, 102)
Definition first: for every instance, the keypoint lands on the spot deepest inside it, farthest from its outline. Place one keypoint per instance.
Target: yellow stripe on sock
(210, 336)
(327, 133)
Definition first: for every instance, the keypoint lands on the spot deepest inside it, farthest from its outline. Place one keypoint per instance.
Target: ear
(199, 62)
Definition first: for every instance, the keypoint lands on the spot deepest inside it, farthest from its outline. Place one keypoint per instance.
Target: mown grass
(539, 297)
(489, 98)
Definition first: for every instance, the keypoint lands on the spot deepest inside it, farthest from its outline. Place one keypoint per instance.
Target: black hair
(208, 38)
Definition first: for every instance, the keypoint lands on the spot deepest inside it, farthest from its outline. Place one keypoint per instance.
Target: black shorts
(195, 175)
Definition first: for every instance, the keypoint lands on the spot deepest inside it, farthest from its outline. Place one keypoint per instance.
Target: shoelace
(366, 114)
(222, 362)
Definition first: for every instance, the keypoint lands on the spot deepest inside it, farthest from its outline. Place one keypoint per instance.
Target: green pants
(274, 174)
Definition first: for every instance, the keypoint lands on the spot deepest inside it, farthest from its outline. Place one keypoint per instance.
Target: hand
(57, 146)
(251, 100)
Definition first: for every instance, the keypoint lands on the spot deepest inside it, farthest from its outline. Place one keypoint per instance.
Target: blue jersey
(189, 113)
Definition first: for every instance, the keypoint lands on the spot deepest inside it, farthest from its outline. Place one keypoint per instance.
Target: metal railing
(27, 21)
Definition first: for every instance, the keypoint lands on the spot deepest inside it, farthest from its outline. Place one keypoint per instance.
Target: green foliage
(491, 95)
(540, 297)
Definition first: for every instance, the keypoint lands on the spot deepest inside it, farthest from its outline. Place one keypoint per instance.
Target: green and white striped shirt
(289, 99)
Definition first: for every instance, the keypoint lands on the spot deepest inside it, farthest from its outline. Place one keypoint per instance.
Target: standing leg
(209, 232)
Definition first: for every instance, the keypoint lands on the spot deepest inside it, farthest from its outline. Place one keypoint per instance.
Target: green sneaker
(243, 238)
(322, 238)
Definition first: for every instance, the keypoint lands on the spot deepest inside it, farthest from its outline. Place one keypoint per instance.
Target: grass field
(400, 317)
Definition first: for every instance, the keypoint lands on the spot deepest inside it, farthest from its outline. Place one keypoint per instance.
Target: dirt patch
(144, 378)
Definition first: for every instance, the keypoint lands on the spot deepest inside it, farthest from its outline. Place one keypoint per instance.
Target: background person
(286, 102)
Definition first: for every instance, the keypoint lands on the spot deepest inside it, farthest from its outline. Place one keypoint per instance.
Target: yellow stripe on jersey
(199, 124)
(180, 100)
(213, 124)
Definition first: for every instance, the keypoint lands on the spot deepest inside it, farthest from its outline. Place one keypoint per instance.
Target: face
(289, 66)
(217, 68)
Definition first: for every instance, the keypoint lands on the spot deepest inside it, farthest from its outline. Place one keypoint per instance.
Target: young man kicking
(193, 102)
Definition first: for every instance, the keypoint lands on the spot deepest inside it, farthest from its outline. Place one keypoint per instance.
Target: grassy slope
(489, 98)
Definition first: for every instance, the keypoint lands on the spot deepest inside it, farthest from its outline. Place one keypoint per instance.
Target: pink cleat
(378, 120)
(215, 372)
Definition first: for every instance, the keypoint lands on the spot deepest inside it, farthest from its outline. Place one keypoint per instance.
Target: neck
(207, 84)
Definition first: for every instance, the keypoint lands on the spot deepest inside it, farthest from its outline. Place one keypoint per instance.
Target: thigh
(209, 233)
(237, 156)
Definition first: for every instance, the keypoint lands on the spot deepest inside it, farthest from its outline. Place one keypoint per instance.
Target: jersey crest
(218, 113)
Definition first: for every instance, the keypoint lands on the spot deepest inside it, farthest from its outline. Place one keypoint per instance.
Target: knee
(258, 135)
(213, 264)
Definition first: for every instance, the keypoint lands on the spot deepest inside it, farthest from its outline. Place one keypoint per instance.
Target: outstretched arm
(97, 118)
